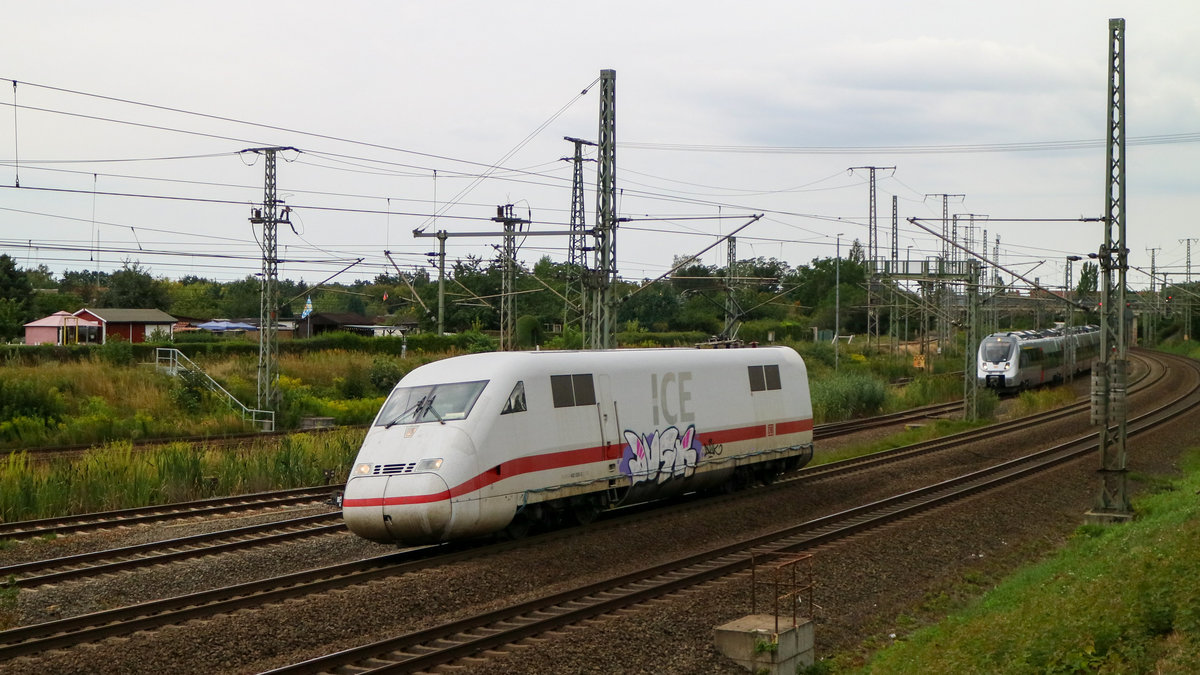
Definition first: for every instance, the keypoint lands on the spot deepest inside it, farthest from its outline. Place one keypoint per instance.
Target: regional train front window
(997, 351)
(430, 403)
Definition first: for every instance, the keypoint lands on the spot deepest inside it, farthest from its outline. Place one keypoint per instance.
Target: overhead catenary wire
(649, 194)
(963, 148)
(260, 125)
(466, 190)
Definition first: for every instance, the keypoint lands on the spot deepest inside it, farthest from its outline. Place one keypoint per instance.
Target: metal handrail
(170, 359)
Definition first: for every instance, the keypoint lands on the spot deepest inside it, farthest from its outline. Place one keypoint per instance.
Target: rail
(173, 361)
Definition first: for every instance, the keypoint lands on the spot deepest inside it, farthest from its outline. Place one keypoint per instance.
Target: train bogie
(475, 444)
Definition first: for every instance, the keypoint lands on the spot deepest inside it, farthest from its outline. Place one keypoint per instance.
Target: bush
(760, 330)
(384, 373)
(569, 339)
(475, 342)
(117, 351)
(846, 395)
(986, 405)
(528, 331)
(929, 389)
(26, 398)
(188, 390)
(355, 383)
(671, 339)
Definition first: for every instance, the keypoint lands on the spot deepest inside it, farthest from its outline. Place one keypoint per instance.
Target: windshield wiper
(414, 407)
(429, 408)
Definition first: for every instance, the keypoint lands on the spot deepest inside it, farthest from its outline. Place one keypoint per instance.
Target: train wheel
(768, 473)
(519, 528)
(585, 508)
(740, 480)
(585, 513)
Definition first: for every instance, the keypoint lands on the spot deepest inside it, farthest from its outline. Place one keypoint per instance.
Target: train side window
(572, 390)
(764, 378)
(758, 381)
(585, 389)
(772, 373)
(562, 391)
(516, 399)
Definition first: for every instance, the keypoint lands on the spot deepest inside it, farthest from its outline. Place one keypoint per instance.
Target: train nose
(409, 508)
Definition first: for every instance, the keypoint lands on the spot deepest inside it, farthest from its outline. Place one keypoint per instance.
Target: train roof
(1044, 333)
(488, 365)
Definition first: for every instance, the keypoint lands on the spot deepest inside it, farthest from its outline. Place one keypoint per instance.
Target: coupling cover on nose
(416, 507)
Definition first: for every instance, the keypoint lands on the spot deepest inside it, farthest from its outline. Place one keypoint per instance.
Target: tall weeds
(846, 395)
(116, 476)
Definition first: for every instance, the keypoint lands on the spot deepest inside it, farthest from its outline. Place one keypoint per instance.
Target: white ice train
(1021, 359)
(476, 444)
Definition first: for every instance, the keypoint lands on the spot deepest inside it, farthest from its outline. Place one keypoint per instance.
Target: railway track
(483, 633)
(64, 633)
(124, 559)
(28, 529)
(1153, 375)
(208, 507)
(832, 429)
(216, 506)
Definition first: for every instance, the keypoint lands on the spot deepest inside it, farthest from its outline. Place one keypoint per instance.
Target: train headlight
(363, 469)
(429, 464)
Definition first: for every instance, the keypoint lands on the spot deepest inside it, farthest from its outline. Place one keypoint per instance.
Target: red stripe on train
(568, 458)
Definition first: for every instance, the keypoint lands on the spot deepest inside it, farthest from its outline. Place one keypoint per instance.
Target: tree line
(694, 297)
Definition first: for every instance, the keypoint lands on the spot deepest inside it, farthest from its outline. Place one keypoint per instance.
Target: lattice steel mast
(1111, 373)
(508, 261)
(872, 258)
(268, 336)
(603, 306)
(577, 289)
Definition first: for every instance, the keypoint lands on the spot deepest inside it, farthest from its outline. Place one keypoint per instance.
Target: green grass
(917, 434)
(95, 400)
(1117, 599)
(8, 603)
(1041, 400)
(115, 476)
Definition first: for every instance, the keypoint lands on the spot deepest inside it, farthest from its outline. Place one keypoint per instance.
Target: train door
(607, 415)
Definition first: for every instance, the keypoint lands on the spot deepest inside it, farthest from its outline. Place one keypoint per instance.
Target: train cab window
(572, 390)
(516, 400)
(764, 378)
(430, 403)
(996, 351)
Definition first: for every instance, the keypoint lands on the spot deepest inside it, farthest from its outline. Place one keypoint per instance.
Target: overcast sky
(723, 110)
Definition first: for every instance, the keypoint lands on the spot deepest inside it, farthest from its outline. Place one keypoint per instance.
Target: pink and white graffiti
(661, 455)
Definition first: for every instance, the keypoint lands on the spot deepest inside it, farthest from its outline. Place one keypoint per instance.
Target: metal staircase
(173, 361)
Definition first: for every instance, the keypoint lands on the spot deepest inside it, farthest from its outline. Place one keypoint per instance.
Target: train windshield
(430, 403)
(996, 351)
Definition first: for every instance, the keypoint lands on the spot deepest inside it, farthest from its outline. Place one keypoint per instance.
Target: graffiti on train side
(661, 455)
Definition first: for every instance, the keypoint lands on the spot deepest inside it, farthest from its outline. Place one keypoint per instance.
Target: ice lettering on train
(669, 394)
(661, 455)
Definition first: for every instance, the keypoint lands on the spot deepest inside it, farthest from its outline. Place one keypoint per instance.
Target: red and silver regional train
(476, 444)
(1016, 360)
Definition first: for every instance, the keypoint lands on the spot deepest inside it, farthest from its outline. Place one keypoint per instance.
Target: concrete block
(751, 641)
